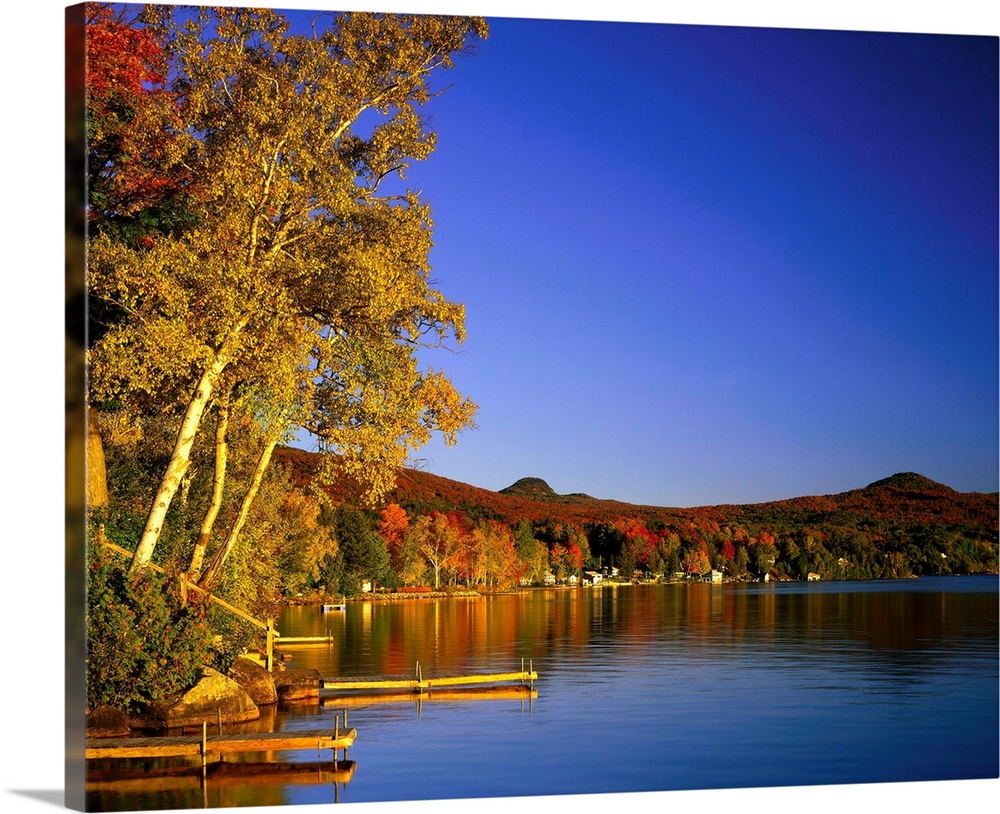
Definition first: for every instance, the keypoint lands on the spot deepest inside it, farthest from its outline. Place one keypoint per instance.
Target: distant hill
(537, 489)
(901, 498)
(534, 488)
(910, 482)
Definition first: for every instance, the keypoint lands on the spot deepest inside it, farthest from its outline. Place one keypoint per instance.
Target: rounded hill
(533, 488)
(909, 482)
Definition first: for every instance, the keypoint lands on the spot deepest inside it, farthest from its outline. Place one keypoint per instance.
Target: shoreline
(406, 596)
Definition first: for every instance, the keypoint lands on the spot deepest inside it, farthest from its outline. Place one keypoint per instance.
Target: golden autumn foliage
(297, 289)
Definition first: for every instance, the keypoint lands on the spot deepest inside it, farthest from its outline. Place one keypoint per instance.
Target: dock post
(336, 737)
(204, 747)
(269, 657)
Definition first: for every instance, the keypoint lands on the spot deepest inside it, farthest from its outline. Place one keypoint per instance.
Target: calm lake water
(644, 688)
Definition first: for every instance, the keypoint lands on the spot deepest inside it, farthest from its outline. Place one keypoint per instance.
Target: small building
(811, 577)
(713, 576)
(550, 578)
(592, 577)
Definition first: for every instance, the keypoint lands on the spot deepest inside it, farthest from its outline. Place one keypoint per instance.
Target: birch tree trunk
(218, 484)
(181, 456)
(212, 572)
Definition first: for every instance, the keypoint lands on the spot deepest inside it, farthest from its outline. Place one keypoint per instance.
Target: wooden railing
(266, 625)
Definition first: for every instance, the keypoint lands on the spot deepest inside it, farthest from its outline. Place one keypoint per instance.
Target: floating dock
(420, 682)
(214, 746)
(456, 695)
(281, 641)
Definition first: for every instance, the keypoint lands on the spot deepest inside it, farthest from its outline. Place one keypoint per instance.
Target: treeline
(306, 537)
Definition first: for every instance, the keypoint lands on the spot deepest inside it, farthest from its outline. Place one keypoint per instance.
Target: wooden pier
(281, 641)
(356, 699)
(214, 746)
(420, 682)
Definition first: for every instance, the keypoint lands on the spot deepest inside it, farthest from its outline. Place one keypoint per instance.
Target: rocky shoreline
(233, 698)
(237, 696)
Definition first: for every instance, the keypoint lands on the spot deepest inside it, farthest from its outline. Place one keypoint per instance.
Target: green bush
(142, 645)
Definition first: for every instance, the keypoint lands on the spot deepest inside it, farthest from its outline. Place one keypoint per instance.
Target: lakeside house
(592, 577)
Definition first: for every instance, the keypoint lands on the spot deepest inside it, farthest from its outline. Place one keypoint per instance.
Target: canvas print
(502, 407)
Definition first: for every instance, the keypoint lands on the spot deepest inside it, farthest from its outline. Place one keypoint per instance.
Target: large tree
(299, 284)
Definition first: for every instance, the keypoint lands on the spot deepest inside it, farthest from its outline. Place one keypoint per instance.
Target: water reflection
(708, 686)
(143, 785)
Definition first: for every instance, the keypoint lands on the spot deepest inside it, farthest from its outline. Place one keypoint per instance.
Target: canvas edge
(75, 405)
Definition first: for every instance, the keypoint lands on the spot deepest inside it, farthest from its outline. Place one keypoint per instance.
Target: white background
(32, 374)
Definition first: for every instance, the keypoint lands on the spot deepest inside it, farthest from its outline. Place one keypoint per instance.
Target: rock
(257, 681)
(297, 685)
(108, 722)
(213, 695)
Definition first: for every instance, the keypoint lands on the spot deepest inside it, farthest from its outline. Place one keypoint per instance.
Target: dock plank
(425, 682)
(186, 745)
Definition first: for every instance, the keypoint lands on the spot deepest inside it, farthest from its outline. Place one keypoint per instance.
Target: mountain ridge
(904, 496)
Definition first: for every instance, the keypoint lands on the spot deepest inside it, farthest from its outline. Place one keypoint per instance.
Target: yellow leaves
(297, 281)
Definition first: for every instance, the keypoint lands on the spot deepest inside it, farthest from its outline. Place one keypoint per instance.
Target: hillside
(903, 497)
(539, 490)
(902, 525)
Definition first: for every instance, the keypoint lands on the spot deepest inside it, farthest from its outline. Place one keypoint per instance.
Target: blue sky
(711, 264)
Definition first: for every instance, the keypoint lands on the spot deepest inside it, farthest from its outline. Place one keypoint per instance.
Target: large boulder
(213, 696)
(256, 680)
(296, 685)
(108, 722)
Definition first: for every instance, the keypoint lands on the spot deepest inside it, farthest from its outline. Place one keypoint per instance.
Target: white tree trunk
(181, 456)
(218, 485)
(212, 572)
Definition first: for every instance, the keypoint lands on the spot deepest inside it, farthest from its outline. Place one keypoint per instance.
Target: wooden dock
(281, 641)
(214, 746)
(420, 682)
(459, 695)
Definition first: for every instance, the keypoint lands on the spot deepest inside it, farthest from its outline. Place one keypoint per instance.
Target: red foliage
(132, 119)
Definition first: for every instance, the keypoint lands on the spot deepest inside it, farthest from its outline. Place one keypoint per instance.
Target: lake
(644, 688)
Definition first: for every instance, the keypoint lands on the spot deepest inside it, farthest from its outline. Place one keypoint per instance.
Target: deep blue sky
(708, 264)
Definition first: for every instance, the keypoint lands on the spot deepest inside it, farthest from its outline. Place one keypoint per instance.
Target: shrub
(142, 645)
